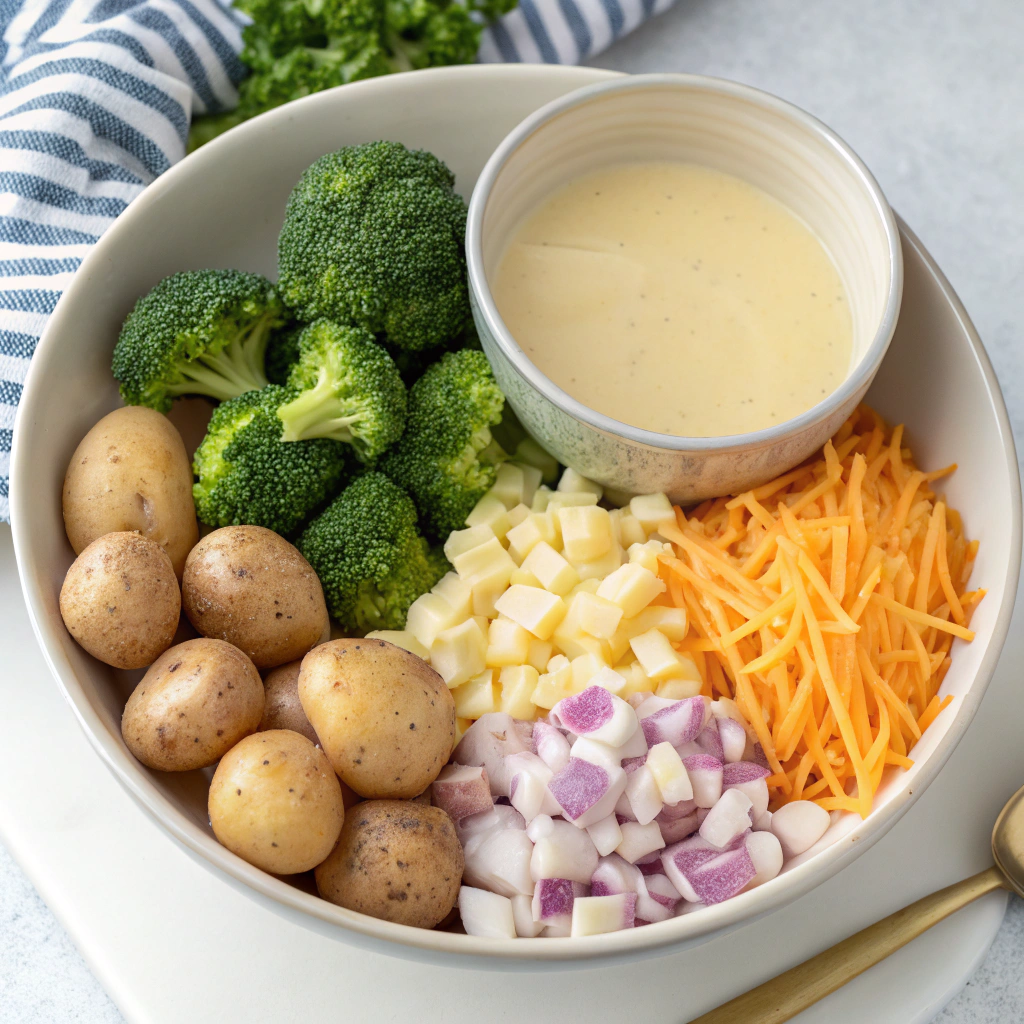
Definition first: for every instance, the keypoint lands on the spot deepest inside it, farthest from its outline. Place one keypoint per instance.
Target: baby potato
(249, 586)
(120, 600)
(397, 860)
(192, 706)
(276, 802)
(131, 472)
(282, 709)
(384, 717)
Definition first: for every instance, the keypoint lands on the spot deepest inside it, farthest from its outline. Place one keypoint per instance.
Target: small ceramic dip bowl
(731, 128)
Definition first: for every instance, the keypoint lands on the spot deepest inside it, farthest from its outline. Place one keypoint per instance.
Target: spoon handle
(784, 997)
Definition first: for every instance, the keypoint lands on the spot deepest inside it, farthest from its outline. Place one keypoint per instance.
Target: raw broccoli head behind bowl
(369, 555)
(198, 332)
(374, 236)
(246, 474)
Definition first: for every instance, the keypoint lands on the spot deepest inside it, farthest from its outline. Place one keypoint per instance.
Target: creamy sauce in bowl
(676, 298)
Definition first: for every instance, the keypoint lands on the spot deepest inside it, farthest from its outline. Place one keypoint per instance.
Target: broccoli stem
(317, 412)
(232, 371)
(401, 51)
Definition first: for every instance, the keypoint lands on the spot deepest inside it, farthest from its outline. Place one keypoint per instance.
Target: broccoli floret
(447, 459)
(371, 559)
(282, 353)
(373, 236)
(246, 474)
(348, 389)
(200, 332)
(297, 47)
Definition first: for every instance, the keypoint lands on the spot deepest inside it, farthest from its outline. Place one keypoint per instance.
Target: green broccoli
(199, 332)
(282, 353)
(297, 47)
(374, 236)
(348, 390)
(245, 473)
(371, 559)
(447, 459)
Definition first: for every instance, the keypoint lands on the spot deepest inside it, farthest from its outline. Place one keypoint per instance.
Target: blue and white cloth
(96, 97)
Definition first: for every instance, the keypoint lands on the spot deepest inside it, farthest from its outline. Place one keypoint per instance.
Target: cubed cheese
(536, 610)
(651, 509)
(646, 554)
(460, 541)
(598, 568)
(568, 499)
(517, 685)
(669, 773)
(538, 654)
(554, 684)
(401, 638)
(526, 535)
(516, 515)
(632, 587)
(573, 482)
(532, 477)
(584, 668)
(459, 653)
(657, 656)
(507, 643)
(508, 485)
(490, 511)
(670, 621)
(540, 498)
(598, 616)
(456, 593)
(609, 679)
(478, 697)
(631, 530)
(428, 615)
(551, 568)
(525, 578)
(679, 689)
(586, 532)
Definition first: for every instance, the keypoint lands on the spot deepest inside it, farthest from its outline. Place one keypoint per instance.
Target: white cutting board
(171, 942)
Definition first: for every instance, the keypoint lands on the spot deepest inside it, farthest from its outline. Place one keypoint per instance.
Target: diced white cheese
(536, 610)
(632, 587)
(551, 568)
(598, 616)
(508, 484)
(478, 697)
(401, 638)
(575, 483)
(669, 772)
(657, 656)
(461, 541)
(428, 615)
(517, 684)
(586, 532)
(459, 653)
(651, 509)
(456, 592)
(525, 536)
(490, 511)
(507, 643)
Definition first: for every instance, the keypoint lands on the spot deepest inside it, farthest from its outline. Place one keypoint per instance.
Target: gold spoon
(784, 997)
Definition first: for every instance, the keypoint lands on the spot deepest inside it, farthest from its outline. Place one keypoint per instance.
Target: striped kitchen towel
(96, 97)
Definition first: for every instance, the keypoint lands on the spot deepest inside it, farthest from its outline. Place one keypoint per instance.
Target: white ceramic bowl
(732, 128)
(223, 207)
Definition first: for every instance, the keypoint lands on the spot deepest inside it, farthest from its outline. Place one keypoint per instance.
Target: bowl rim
(447, 948)
(858, 378)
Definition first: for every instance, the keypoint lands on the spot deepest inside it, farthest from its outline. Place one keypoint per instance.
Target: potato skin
(247, 585)
(131, 472)
(192, 706)
(120, 600)
(396, 860)
(385, 718)
(282, 709)
(276, 802)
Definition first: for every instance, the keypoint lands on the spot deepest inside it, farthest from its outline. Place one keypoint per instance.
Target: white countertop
(929, 92)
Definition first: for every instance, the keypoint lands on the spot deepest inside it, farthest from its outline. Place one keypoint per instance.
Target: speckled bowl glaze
(732, 128)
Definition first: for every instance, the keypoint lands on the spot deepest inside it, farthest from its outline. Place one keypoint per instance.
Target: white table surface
(929, 92)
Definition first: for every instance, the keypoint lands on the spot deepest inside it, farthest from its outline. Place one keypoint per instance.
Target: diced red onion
(550, 745)
(763, 823)
(798, 825)
(528, 785)
(522, 915)
(587, 792)
(636, 699)
(743, 771)
(461, 790)
(634, 746)
(623, 808)
(488, 741)
(756, 791)
(639, 840)
(630, 764)
(680, 722)
(705, 774)
(727, 820)
(679, 828)
(486, 914)
(643, 794)
(605, 834)
(733, 737)
(596, 714)
(613, 875)
(682, 859)
(652, 703)
(683, 809)
(765, 852)
(563, 852)
(500, 862)
(710, 741)
(497, 818)
(724, 876)
(553, 899)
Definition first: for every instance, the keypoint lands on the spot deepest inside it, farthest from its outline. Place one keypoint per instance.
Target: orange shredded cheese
(825, 603)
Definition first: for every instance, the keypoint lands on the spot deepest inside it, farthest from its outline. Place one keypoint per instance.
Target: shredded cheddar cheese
(825, 603)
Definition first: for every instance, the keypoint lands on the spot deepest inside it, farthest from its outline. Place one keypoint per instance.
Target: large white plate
(461, 113)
